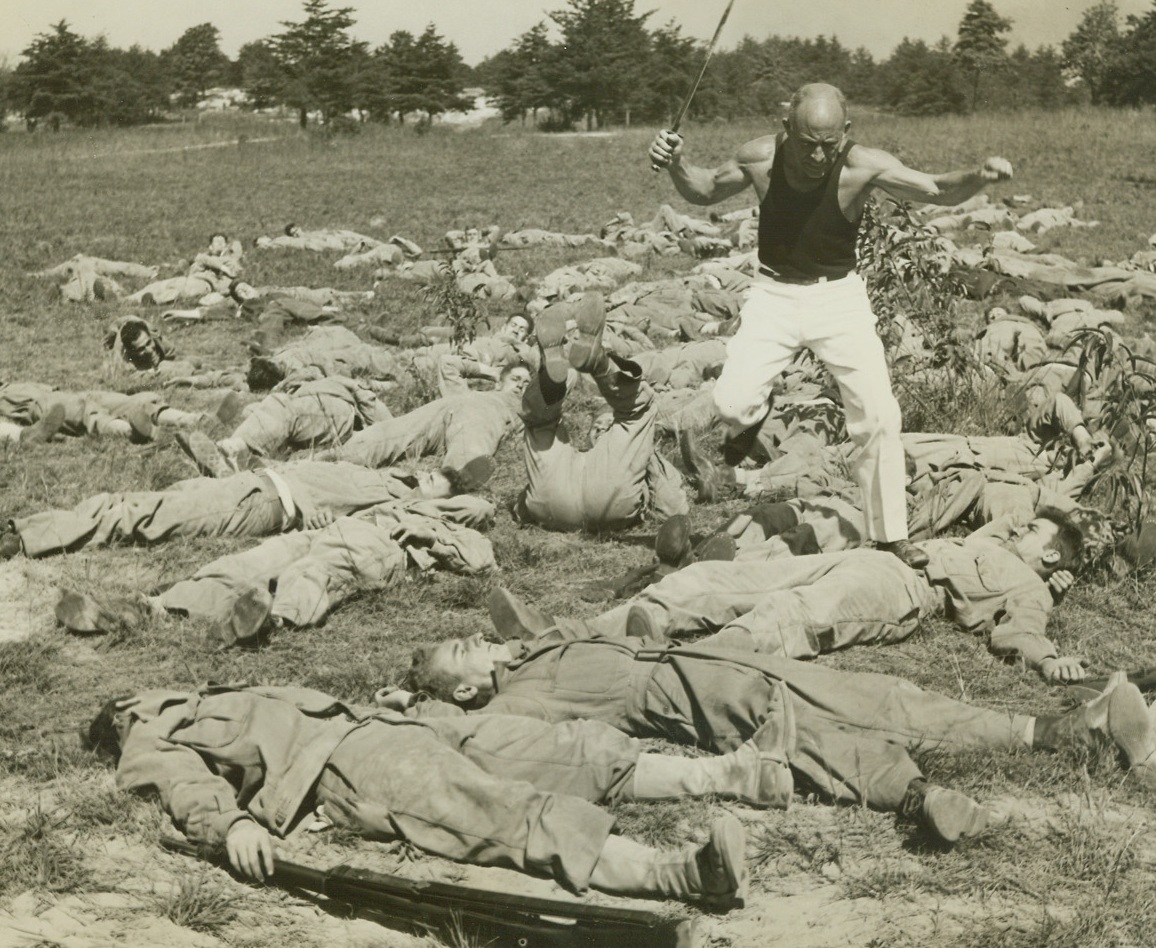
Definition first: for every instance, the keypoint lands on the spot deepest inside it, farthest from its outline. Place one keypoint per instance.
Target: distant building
(219, 99)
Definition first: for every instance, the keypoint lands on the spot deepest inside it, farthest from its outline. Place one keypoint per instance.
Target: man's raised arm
(696, 184)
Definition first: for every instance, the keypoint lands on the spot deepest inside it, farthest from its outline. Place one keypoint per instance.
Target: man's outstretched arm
(952, 187)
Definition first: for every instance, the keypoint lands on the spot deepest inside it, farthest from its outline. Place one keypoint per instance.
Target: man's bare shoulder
(870, 160)
(757, 151)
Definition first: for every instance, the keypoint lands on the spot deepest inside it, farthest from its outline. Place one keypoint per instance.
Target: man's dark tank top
(803, 234)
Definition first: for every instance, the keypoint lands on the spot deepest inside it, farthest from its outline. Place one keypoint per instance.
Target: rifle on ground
(496, 918)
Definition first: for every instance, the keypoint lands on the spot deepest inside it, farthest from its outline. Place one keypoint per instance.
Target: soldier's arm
(202, 804)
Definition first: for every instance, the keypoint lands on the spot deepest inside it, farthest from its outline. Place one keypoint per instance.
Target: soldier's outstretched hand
(250, 849)
(1065, 668)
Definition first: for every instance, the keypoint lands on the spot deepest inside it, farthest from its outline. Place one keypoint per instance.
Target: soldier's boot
(714, 873)
(756, 774)
(513, 618)
(949, 814)
(46, 426)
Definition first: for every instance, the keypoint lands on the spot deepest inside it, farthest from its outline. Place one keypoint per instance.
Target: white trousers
(833, 320)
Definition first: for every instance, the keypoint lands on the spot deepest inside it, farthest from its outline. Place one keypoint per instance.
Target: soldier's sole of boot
(672, 541)
(1130, 724)
(203, 452)
(80, 613)
(639, 624)
(551, 333)
(48, 424)
(719, 547)
(515, 619)
(727, 854)
(952, 815)
(590, 319)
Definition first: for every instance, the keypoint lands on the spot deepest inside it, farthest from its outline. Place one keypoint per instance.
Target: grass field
(1075, 865)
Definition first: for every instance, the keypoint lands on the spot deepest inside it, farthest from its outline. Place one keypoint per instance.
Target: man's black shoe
(908, 552)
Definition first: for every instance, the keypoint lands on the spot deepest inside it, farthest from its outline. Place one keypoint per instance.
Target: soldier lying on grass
(239, 766)
(303, 494)
(296, 579)
(847, 735)
(993, 583)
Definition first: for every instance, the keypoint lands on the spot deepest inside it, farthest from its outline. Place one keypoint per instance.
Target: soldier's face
(517, 381)
(1033, 544)
(469, 660)
(432, 485)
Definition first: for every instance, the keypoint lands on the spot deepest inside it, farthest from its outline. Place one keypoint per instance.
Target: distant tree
(195, 63)
(518, 78)
(130, 87)
(727, 90)
(753, 79)
(5, 95)
(917, 79)
(602, 59)
(674, 63)
(1088, 51)
(440, 80)
(1130, 75)
(318, 59)
(54, 80)
(261, 75)
(1037, 80)
(862, 75)
(67, 78)
(980, 47)
(422, 74)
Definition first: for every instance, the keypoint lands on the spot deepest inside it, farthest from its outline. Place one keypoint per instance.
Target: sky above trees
(480, 28)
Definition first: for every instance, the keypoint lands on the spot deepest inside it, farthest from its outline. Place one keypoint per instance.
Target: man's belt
(796, 281)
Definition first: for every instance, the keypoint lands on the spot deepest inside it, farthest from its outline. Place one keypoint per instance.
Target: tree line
(594, 63)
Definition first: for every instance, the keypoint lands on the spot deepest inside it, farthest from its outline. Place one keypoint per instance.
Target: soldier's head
(106, 734)
(242, 290)
(601, 425)
(292, 229)
(452, 481)
(816, 126)
(138, 344)
(458, 670)
(518, 327)
(218, 243)
(263, 374)
(1050, 542)
(515, 377)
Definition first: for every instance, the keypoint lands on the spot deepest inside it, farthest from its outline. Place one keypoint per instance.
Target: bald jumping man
(813, 183)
